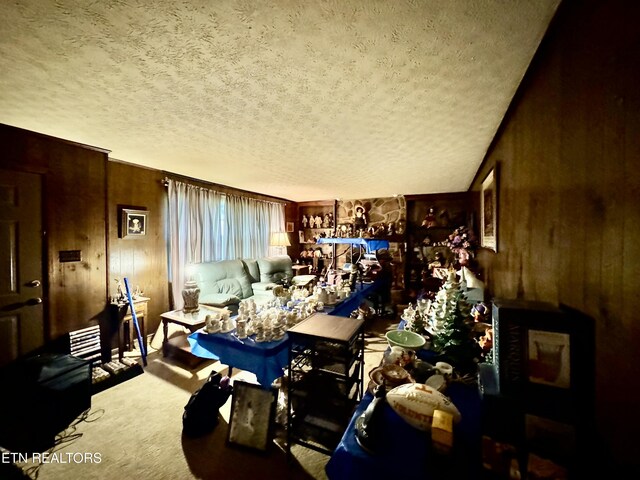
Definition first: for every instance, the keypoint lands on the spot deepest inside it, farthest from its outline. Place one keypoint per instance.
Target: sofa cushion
(275, 269)
(227, 277)
(252, 269)
(219, 299)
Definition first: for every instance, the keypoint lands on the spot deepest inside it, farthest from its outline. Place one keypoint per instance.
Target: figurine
(369, 423)
(213, 323)
(241, 328)
(430, 218)
(325, 222)
(318, 221)
(479, 312)
(359, 219)
(391, 229)
(226, 324)
(312, 221)
(317, 256)
(120, 295)
(305, 220)
(438, 261)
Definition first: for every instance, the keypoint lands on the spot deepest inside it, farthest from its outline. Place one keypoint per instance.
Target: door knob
(33, 283)
(34, 301)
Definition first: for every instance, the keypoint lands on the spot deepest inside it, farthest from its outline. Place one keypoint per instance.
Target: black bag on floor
(201, 412)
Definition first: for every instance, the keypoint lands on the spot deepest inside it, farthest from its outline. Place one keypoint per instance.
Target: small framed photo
(548, 361)
(290, 227)
(252, 413)
(133, 223)
(489, 211)
(301, 236)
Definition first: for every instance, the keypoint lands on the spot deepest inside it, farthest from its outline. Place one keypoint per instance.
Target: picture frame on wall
(133, 223)
(252, 414)
(489, 210)
(289, 227)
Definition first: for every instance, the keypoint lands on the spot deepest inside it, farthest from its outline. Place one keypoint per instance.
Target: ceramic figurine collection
(268, 322)
(357, 227)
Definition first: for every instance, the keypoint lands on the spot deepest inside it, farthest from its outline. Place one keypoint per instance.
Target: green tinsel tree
(450, 323)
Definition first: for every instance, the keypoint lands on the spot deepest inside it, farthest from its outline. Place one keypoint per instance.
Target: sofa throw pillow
(275, 269)
(253, 269)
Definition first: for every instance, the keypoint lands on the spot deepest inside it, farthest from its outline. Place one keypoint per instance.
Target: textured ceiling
(300, 99)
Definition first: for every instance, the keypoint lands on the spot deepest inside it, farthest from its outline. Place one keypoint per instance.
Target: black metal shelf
(325, 384)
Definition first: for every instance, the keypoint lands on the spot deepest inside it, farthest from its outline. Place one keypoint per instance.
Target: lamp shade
(279, 239)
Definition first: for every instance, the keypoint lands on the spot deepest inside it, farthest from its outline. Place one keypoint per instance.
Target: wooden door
(21, 309)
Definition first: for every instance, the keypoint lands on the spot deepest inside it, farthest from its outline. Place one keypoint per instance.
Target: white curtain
(205, 226)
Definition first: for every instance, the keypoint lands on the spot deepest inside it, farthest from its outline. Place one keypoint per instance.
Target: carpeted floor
(135, 428)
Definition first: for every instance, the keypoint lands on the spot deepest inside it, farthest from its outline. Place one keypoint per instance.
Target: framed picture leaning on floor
(252, 413)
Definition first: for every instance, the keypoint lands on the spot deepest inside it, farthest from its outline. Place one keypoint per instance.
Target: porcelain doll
(359, 219)
(430, 218)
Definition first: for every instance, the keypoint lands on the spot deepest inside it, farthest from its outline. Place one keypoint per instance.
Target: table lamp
(279, 239)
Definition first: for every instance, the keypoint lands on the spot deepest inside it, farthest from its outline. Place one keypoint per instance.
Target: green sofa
(226, 283)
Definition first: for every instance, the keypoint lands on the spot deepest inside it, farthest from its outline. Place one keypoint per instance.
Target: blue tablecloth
(406, 451)
(266, 360)
(371, 244)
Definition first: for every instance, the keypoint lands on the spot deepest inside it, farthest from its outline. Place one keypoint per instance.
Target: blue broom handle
(135, 322)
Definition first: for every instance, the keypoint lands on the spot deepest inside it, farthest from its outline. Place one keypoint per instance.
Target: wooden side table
(192, 321)
(301, 270)
(126, 331)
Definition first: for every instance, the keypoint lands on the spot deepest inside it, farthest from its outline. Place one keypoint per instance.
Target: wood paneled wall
(569, 216)
(74, 219)
(143, 260)
(82, 192)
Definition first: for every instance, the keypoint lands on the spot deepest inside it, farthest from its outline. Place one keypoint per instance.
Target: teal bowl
(405, 339)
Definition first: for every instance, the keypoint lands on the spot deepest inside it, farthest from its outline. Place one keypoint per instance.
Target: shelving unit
(451, 210)
(326, 367)
(325, 210)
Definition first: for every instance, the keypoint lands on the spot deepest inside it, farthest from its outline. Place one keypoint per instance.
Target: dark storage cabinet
(326, 363)
(44, 395)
